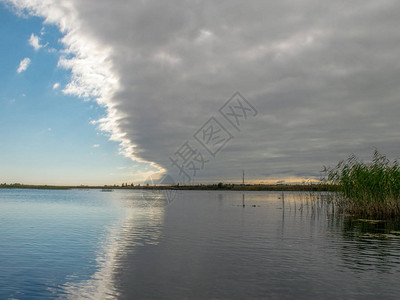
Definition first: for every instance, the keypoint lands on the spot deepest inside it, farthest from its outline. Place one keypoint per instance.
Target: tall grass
(367, 189)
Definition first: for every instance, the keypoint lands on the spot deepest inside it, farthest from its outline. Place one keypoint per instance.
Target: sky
(104, 92)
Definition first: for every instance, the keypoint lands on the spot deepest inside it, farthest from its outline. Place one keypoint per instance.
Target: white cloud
(23, 65)
(56, 85)
(34, 41)
(96, 146)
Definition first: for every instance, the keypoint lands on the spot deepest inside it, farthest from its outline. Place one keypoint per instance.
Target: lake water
(88, 244)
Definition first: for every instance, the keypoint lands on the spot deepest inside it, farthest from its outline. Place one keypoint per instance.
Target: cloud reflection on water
(140, 225)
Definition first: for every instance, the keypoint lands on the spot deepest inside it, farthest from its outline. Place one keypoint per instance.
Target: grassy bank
(367, 189)
(223, 187)
(36, 187)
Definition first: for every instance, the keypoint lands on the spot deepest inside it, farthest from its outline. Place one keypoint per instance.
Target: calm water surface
(205, 245)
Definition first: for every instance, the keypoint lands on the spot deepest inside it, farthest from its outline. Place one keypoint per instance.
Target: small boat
(107, 190)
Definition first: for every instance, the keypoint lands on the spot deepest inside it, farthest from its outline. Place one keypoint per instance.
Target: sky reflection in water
(205, 244)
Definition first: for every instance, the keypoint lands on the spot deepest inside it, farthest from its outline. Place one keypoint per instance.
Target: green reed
(367, 189)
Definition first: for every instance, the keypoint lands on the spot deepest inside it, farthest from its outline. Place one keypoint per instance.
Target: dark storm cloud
(323, 75)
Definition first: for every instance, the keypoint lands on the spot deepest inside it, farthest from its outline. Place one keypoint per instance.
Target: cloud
(322, 75)
(56, 85)
(34, 41)
(96, 146)
(24, 64)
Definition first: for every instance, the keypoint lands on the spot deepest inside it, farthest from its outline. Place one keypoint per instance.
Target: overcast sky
(323, 77)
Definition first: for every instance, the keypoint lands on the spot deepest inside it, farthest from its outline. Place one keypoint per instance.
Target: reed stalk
(367, 189)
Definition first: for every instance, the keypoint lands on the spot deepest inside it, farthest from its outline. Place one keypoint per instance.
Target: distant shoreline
(224, 187)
